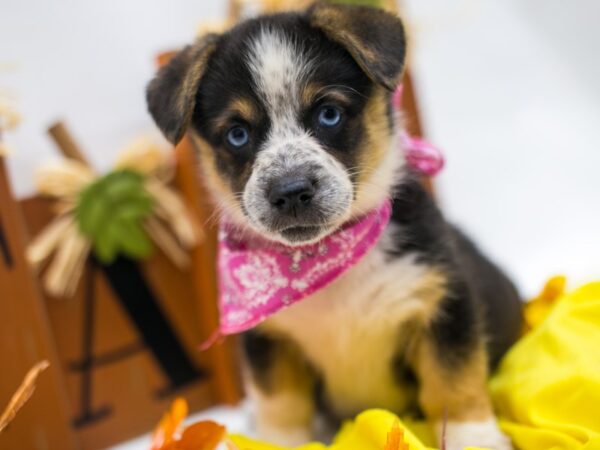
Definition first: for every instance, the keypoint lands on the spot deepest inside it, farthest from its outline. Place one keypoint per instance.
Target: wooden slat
(66, 143)
(25, 339)
(226, 380)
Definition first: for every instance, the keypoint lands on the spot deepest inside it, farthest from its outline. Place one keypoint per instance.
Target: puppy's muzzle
(297, 192)
(294, 207)
(292, 196)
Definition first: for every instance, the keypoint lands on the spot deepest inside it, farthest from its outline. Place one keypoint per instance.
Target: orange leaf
(164, 433)
(22, 394)
(204, 435)
(395, 438)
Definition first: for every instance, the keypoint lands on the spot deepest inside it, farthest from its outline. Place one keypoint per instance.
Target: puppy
(295, 109)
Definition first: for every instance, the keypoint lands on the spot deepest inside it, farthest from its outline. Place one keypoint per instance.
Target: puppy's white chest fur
(350, 331)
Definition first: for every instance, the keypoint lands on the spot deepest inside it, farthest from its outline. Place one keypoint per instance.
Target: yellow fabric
(540, 306)
(547, 391)
(367, 432)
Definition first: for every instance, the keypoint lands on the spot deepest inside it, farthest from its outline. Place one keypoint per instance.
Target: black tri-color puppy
(304, 99)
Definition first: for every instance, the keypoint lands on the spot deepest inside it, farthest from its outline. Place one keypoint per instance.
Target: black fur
(480, 302)
(227, 78)
(478, 292)
(374, 38)
(260, 352)
(168, 102)
(493, 293)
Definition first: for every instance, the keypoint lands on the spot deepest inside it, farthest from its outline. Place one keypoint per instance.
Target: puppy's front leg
(455, 388)
(281, 386)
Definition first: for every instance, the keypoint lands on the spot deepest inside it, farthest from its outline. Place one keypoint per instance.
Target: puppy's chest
(352, 330)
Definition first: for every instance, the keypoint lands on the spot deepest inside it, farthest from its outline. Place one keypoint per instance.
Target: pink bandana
(421, 155)
(259, 277)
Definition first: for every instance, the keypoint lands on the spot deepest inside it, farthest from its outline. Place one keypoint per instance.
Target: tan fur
(312, 92)
(309, 93)
(381, 161)
(224, 198)
(339, 24)
(284, 406)
(242, 107)
(459, 392)
(199, 54)
(458, 397)
(284, 418)
(336, 22)
(378, 133)
(345, 25)
(342, 317)
(361, 54)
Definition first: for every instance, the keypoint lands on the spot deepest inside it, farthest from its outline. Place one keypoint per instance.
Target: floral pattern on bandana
(257, 277)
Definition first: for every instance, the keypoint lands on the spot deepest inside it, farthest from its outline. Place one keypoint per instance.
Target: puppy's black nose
(291, 193)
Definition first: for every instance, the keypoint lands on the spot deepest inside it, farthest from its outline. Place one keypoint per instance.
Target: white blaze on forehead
(278, 69)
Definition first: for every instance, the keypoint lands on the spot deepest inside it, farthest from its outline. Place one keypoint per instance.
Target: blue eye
(329, 116)
(238, 136)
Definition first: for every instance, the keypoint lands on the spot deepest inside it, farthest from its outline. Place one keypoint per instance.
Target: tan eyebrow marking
(313, 92)
(239, 107)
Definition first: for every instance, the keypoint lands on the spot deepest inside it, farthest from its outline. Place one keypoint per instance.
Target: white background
(509, 88)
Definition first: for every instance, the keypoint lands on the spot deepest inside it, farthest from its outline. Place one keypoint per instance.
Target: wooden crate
(123, 346)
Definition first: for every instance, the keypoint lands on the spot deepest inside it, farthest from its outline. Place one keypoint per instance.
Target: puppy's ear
(373, 37)
(171, 95)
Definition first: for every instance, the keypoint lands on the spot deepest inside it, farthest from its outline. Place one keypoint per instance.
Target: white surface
(508, 88)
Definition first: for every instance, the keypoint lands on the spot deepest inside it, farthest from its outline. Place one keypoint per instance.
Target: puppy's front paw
(485, 434)
(286, 437)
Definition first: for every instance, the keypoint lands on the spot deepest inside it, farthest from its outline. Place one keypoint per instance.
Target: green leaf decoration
(110, 212)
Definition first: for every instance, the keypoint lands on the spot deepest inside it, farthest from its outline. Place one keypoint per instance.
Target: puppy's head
(291, 115)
